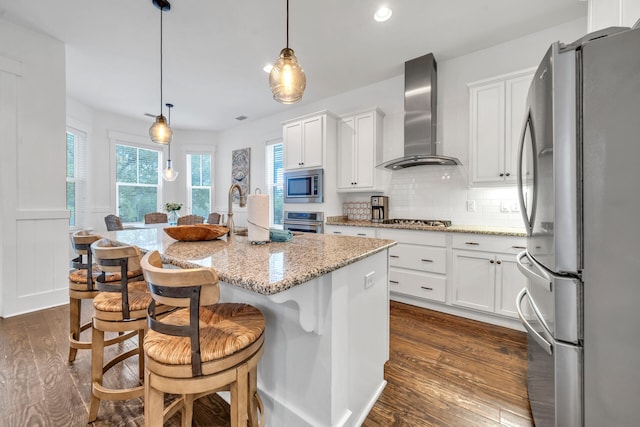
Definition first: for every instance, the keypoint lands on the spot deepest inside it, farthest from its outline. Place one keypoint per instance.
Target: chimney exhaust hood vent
(420, 117)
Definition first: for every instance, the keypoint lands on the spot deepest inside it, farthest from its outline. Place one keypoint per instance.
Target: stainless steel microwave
(304, 186)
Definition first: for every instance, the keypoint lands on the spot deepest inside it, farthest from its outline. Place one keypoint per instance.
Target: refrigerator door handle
(546, 345)
(528, 212)
(539, 279)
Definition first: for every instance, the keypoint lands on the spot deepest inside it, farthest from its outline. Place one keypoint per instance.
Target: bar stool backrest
(116, 259)
(81, 243)
(156, 275)
(180, 288)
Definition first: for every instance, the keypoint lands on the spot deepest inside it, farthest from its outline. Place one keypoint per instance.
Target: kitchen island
(326, 301)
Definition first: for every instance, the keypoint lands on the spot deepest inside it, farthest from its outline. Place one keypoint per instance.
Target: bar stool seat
(200, 349)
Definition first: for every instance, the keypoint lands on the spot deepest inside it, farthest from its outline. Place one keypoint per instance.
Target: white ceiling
(214, 50)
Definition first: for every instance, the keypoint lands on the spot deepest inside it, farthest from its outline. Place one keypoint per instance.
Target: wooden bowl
(197, 232)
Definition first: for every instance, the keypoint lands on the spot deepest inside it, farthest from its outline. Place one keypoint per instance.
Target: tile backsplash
(357, 209)
(441, 192)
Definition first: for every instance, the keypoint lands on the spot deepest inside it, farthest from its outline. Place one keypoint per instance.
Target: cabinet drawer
(417, 237)
(341, 230)
(501, 244)
(422, 285)
(415, 257)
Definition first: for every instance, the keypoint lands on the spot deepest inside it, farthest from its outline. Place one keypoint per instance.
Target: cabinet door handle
(337, 232)
(426, 288)
(426, 260)
(498, 262)
(491, 261)
(507, 174)
(501, 174)
(471, 243)
(518, 247)
(362, 234)
(394, 256)
(394, 282)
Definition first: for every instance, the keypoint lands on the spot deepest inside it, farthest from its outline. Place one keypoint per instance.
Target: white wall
(34, 220)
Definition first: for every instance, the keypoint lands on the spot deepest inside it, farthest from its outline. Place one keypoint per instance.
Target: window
(274, 166)
(137, 182)
(199, 184)
(75, 177)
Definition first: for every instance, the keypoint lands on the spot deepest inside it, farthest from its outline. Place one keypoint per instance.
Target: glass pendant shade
(287, 78)
(169, 174)
(160, 132)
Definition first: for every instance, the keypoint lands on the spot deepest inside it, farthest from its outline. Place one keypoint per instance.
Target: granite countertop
(474, 229)
(266, 269)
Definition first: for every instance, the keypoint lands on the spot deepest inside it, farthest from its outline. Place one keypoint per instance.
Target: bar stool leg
(97, 361)
(187, 410)
(253, 390)
(74, 324)
(140, 353)
(153, 404)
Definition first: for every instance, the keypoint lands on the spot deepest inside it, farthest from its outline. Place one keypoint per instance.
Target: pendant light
(160, 132)
(169, 174)
(287, 79)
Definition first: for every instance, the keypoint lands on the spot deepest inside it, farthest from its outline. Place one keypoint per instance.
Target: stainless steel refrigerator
(579, 187)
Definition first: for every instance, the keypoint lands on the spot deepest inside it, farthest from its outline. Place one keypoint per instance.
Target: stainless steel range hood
(420, 116)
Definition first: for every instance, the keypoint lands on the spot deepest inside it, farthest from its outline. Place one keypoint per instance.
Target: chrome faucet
(230, 214)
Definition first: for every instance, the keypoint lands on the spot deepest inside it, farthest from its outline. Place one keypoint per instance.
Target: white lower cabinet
(344, 230)
(485, 276)
(469, 275)
(418, 264)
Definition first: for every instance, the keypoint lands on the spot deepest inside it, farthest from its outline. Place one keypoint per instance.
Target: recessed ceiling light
(267, 68)
(382, 14)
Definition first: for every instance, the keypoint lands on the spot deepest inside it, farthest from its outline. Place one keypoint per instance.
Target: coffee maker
(379, 208)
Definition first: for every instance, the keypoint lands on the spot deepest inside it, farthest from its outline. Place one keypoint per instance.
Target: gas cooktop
(427, 222)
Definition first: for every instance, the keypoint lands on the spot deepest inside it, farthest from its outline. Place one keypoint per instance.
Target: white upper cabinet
(305, 140)
(496, 116)
(359, 150)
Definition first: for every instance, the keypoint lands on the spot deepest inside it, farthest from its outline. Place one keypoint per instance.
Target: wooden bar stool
(200, 349)
(121, 306)
(82, 286)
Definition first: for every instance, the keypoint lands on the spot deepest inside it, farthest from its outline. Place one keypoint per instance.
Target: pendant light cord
(161, 12)
(287, 24)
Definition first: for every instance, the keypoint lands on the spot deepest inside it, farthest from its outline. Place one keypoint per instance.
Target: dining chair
(201, 348)
(190, 220)
(155, 218)
(214, 218)
(113, 222)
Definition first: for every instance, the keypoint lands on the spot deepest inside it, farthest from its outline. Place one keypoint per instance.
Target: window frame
(191, 187)
(208, 150)
(80, 174)
(139, 142)
(269, 170)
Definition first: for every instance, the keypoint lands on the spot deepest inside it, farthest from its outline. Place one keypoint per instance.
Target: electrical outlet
(515, 207)
(368, 280)
(505, 206)
(471, 205)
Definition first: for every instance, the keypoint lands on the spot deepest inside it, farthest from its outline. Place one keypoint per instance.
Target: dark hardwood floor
(443, 371)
